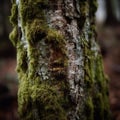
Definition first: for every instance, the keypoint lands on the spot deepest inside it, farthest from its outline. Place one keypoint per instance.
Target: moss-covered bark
(58, 63)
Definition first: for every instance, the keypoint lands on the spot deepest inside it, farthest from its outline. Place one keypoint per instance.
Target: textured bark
(58, 62)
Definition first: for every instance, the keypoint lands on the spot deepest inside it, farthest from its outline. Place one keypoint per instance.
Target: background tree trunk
(58, 62)
(109, 39)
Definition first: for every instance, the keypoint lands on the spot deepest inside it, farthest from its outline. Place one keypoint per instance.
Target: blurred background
(108, 29)
(8, 76)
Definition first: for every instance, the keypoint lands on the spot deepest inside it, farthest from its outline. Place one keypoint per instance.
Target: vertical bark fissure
(20, 26)
(59, 20)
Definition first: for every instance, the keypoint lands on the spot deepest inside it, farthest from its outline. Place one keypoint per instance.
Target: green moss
(14, 36)
(88, 73)
(22, 64)
(98, 107)
(89, 109)
(45, 98)
(102, 87)
(23, 92)
(14, 15)
(48, 102)
(95, 83)
(55, 36)
(30, 10)
(100, 98)
(107, 114)
(100, 79)
(57, 40)
(40, 2)
(33, 63)
(24, 98)
(36, 31)
(28, 13)
(84, 8)
(88, 63)
(14, 21)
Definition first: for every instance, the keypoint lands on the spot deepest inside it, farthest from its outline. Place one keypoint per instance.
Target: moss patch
(24, 98)
(21, 58)
(89, 109)
(48, 102)
(98, 107)
(30, 10)
(14, 15)
(14, 36)
(36, 31)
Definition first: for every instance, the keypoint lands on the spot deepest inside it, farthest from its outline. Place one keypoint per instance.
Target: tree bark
(58, 61)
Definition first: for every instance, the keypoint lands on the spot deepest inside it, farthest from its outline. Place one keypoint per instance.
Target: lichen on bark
(58, 62)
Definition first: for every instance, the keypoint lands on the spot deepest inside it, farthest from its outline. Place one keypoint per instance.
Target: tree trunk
(58, 61)
(112, 12)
